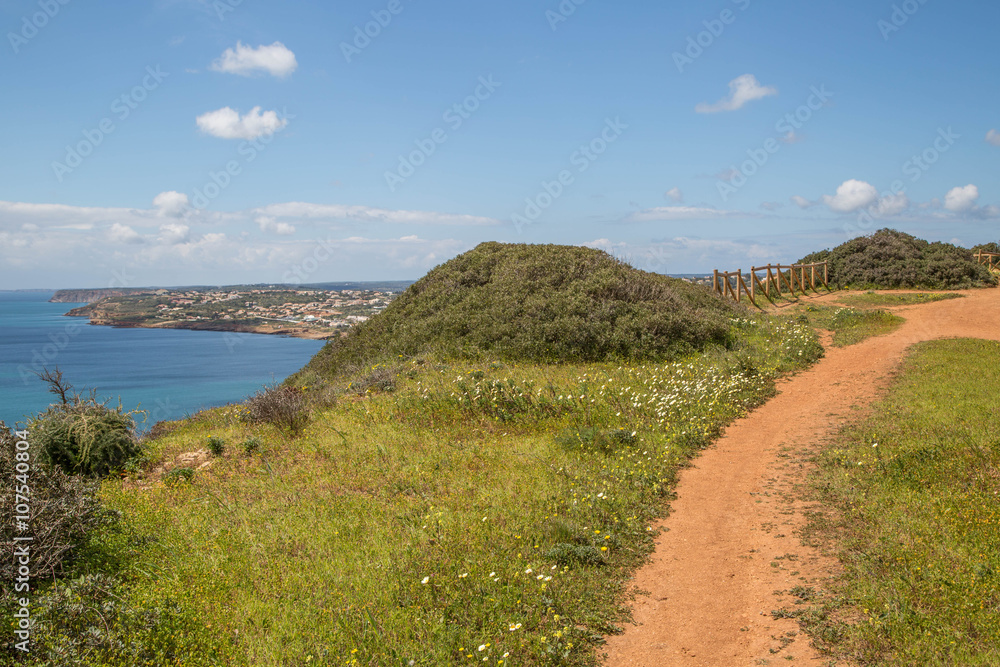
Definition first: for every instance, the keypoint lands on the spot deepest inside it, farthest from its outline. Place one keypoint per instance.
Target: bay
(169, 373)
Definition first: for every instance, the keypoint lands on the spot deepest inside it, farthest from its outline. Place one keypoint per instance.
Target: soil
(732, 550)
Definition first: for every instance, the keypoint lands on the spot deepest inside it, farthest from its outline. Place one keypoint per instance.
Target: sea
(168, 373)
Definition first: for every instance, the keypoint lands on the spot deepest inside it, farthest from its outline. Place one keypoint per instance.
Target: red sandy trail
(730, 553)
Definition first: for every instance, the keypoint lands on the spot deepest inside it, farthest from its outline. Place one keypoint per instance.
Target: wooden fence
(801, 277)
(990, 259)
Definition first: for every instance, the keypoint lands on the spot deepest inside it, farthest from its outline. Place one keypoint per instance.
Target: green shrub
(179, 476)
(251, 446)
(282, 406)
(216, 446)
(567, 554)
(889, 259)
(82, 435)
(64, 513)
(515, 302)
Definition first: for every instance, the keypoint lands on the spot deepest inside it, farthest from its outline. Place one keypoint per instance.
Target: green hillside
(535, 303)
(889, 259)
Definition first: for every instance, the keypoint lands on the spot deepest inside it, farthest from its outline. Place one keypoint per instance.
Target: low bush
(889, 259)
(282, 406)
(216, 446)
(64, 513)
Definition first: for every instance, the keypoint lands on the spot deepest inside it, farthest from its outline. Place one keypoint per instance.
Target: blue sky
(172, 142)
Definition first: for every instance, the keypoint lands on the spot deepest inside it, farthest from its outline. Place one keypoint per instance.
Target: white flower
(482, 647)
(425, 580)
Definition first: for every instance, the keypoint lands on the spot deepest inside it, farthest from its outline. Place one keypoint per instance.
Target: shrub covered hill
(892, 260)
(533, 303)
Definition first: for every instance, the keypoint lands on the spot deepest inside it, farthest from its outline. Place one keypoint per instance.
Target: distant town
(300, 312)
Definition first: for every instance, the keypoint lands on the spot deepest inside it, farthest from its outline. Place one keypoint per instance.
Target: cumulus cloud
(891, 205)
(226, 123)
(267, 224)
(673, 213)
(171, 203)
(961, 199)
(174, 233)
(851, 196)
(674, 195)
(119, 233)
(742, 89)
(243, 60)
(993, 137)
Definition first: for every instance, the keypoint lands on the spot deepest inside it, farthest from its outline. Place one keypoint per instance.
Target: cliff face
(91, 295)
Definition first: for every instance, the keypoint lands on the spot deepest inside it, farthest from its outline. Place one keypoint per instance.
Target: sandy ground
(730, 552)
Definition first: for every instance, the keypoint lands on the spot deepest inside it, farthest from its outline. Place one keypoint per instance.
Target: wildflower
(425, 580)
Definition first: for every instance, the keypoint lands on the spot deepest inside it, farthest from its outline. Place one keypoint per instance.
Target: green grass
(917, 487)
(877, 300)
(851, 326)
(479, 512)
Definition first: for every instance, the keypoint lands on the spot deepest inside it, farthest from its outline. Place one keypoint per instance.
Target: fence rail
(990, 259)
(792, 276)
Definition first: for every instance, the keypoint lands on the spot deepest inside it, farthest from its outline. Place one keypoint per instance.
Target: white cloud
(226, 123)
(682, 254)
(320, 212)
(267, 224)
(961, 199)
(171, 203)
(275, 60)
(770, 205)
(673, 213)
(173, 233)
(727, 174)
(891, 205)
(119, 233)
(802, 202)
(851, 196)
(792, 137)
(675, 195)
(993, 137)
(742, 89)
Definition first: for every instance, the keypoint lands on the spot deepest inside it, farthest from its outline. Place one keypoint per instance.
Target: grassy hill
(535, 303)
(889, 259)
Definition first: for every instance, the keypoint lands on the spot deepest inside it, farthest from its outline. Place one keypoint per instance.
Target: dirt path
(730, 554)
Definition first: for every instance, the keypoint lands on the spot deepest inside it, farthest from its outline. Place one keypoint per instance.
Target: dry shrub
(282, 406)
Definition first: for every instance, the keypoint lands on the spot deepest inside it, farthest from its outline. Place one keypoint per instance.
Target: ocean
(169, 373)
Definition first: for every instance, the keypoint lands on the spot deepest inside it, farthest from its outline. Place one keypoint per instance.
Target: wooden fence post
(715, 283)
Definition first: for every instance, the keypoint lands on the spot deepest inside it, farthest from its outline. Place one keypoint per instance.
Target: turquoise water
(169, 373)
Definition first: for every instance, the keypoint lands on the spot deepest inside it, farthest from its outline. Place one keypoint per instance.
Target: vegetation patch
(889, 300)
(851, 326)
(916, 487)
(480, 513)
(889, 259)
(532, 303)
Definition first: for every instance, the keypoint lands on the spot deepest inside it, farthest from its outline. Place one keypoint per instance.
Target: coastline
(306, 333)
